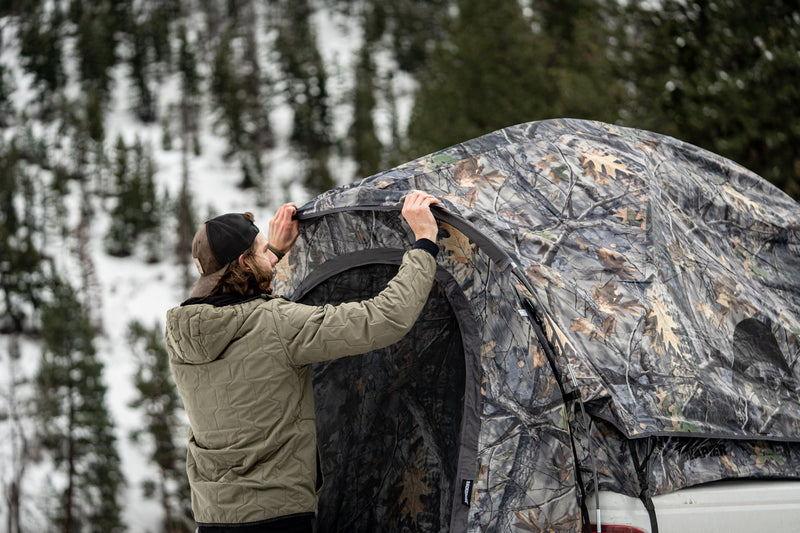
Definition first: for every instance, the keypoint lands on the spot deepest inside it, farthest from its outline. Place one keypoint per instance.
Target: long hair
(238, 280)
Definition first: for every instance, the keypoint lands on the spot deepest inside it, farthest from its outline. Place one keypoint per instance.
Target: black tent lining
(471, 342)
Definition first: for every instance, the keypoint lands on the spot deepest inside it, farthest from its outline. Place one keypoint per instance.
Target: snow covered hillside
(131, 288)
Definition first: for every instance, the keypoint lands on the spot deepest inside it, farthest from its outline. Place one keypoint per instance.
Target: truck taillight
(617, 529)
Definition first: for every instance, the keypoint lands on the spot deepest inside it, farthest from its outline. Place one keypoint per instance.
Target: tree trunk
(68, 495)
(19, 444)
(185, 229)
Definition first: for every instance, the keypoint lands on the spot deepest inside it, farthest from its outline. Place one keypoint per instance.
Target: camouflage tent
(584, 267)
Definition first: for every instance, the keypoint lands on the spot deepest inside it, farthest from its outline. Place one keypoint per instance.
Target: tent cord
(544, 342)
(589, 445)
(642, 475)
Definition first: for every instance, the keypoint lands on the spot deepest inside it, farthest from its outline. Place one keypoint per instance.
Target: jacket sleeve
(318, 333)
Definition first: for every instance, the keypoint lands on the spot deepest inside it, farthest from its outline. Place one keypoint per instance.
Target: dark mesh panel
(389, 421)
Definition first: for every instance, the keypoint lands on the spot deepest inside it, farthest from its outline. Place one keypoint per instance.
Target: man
(241, 357)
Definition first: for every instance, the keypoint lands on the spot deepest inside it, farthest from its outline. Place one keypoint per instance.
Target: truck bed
(722, 507)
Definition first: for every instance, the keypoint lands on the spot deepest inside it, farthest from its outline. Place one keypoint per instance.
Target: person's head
(231, 255)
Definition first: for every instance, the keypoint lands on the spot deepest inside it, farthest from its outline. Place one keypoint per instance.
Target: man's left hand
(283, 231)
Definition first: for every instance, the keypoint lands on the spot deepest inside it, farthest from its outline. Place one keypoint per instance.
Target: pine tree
(237, 85)
(158, 399)
(121, 165)
(187, 224)
(413, 27)
(227, 91)
(366, 145)
(258, 128)
(140, 61)
(581, 72)
(184, 212)
(96, 45)
(120, 239)
(306, 90)
(41, 50)
(137, 213)
(146, 213)
(721, 75)
(90, 287)
(95, 115)
(484, 77)
(190, 89)
(500, 65)
(12, 7)
(6, 88)
(184, 204)
(75, 425)
(153, 215)
(397, 147)
(159, 19)
(166, 128)
(21, 268)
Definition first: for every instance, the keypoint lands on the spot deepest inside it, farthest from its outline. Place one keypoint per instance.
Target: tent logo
(466, 491)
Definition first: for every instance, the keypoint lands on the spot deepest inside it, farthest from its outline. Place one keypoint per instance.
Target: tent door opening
(395, 442)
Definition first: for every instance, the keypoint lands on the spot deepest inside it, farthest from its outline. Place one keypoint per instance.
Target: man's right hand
(417, 212)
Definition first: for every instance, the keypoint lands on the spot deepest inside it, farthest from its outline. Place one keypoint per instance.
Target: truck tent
(659, 278)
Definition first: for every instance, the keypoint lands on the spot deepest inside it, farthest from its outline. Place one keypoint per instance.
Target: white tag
(466, 491)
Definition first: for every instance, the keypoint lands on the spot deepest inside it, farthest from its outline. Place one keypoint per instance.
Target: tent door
(397, 427)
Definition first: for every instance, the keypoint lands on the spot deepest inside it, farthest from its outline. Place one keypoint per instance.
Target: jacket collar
(221, 300)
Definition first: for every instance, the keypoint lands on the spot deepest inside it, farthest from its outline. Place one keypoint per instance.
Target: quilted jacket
(243, 373)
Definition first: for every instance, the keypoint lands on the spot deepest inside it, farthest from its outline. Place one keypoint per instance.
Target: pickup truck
(720, 507)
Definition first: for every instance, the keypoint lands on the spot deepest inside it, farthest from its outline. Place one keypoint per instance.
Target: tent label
(466, 491)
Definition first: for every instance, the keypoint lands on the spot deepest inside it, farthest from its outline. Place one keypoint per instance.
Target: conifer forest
(126, 123)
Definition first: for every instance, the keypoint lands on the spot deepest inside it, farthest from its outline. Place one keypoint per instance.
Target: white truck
(735, 506)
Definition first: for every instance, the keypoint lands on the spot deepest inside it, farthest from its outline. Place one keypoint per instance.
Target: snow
(131, 292)
(131, 289)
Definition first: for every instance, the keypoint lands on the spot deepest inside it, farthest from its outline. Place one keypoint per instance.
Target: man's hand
(283, 231)
(417, 212)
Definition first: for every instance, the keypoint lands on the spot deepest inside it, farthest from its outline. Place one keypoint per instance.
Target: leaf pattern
(470, 174)
(603, 167)
(662, 328)
(414, 489)
(610, 301)
(527, 521)
(729, 299)
(457, 245)
(615, 263)
(585, 326)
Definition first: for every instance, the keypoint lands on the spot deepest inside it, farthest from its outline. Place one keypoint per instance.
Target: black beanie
(229, 236)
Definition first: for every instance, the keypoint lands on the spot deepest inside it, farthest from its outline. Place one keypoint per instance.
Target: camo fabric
(667, 281)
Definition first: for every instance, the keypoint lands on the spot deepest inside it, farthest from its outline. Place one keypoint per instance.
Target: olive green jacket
(243, 373)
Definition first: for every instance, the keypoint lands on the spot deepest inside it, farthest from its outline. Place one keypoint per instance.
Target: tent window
(757, 356)
(389, 421)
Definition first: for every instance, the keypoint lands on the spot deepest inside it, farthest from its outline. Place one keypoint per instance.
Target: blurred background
(126, 123)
